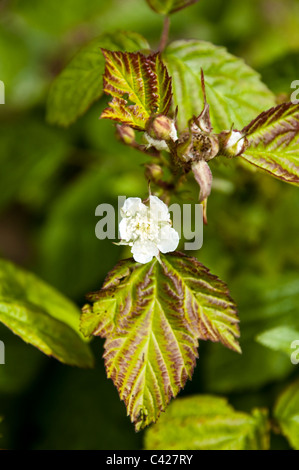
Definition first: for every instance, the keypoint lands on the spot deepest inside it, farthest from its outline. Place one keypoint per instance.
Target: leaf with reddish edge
(274, 142)
(142, 81)
(152, 316)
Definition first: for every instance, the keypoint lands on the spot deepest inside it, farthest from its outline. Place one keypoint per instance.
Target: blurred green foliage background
(52, 179)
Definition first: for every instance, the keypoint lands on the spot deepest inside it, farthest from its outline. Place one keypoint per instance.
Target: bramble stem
(165, 33)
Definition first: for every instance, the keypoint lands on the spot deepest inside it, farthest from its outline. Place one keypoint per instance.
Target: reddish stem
(165, 33)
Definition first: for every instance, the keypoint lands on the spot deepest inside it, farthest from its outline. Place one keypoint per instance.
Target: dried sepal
(203, 177)
(203, 121)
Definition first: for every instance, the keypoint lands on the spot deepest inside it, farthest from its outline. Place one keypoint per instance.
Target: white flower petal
(159, 210)
(124, 230)
(173, 133)
(147, 228)
(157, 144)
(143, 252)
(169, 239)
(131, 206)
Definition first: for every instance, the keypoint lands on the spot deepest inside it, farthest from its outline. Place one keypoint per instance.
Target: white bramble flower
(147, 229)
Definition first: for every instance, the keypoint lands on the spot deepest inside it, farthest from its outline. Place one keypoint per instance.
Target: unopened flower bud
(126, 134)
(161, 128)
(232, 143)
(153, 172)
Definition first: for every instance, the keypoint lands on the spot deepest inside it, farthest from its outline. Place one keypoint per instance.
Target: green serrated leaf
(234, 90)
(135, 78)
(152, 316)
(166, 7)
(286, 412)
(208, 423)
(80, 83)
(274, 142)
(41, 316)
(32, 154)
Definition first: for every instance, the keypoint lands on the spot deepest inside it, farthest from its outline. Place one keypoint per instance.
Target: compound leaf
(137, 79)
(206, 422)
(152, 316)
(274, 142)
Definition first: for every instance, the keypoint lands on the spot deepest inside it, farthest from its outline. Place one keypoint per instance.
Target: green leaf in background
(71, 258)
(41, 316)
(280, 338)
(141, 80)
(152, 316)
(32, 154)
(22, 364)
(260, 308)
(16, 66)
(281, 73)
(234, 90)
(208, 423)
(80, 83)
(286, 412)
(66, 409)
(169, 6)
(72, 13)
(274, 142)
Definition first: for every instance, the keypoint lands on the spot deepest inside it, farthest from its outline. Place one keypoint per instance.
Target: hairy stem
(165, 33)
